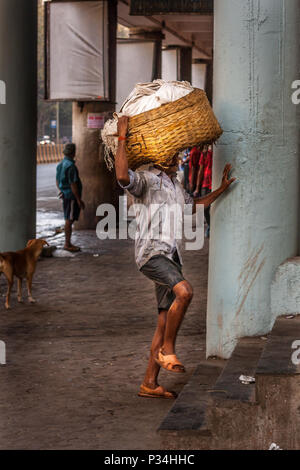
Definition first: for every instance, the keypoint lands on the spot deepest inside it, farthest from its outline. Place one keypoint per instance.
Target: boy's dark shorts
(71, 209)
(166, 274)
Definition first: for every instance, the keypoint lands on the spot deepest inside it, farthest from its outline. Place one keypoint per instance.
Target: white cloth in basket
(144, 97)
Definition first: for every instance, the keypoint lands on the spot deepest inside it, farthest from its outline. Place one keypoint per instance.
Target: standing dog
(22, 264)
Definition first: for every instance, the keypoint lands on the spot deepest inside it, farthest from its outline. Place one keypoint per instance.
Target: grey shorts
(165, 273)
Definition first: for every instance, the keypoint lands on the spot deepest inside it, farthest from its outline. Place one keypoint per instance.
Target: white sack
(144, 97)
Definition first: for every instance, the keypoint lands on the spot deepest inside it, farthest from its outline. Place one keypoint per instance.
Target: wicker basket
(156, 135)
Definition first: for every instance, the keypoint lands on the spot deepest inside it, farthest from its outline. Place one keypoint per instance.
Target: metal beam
(144, 7)
(193, 26)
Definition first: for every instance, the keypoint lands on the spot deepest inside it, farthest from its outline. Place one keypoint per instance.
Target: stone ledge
(285, 289)
(276, 358)
(188, 413)
(243, 361)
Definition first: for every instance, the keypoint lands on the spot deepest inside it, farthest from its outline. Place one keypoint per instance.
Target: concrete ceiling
(183, 30)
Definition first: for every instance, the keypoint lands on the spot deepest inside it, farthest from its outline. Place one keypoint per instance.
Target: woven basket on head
(157, 135)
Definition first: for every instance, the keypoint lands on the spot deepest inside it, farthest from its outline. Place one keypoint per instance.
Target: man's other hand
(225, 181)
(123, 126)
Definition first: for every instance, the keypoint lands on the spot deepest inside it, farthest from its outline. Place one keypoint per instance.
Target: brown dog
(21, 264)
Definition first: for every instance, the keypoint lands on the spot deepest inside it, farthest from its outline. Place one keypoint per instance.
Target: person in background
(204, 181)
(70, 187)
(194, 166)
(186, 168)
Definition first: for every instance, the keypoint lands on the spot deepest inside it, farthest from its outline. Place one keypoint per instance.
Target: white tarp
(134, 65)
(199, 76)
(79, 50)
(169, 64)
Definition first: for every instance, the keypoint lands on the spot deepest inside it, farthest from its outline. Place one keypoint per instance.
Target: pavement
(75, 358)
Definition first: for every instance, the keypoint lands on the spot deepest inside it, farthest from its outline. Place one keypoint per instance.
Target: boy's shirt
(206, 162)
(67, 174)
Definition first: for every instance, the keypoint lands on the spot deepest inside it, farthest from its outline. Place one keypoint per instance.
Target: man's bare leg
(153, 368)
(184, 294)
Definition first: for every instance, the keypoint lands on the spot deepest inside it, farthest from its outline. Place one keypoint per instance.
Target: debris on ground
(274, 446)
(247, 379)
(62, 254)
(48, 251)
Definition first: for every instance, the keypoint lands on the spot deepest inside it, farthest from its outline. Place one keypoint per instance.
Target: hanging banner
(95, 121)
(77, 51)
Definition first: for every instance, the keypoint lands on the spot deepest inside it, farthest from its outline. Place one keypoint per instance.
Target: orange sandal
(169, 362)
(158, 392)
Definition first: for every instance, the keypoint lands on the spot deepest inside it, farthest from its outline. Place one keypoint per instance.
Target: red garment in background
(206, 162)
(194, 163)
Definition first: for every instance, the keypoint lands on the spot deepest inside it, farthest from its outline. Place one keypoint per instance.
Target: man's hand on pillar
(225, 181)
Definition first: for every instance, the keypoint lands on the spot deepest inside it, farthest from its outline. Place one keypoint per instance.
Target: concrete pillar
(18, 117)
(99, 185)
(209, 81)
(184, 72)
(255, 226)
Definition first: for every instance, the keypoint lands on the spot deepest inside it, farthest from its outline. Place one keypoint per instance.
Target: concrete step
(278, 385)
(213, 393)
(186, 420)
(232, 415)
(243, 361)
(216, 411)
(277, 357)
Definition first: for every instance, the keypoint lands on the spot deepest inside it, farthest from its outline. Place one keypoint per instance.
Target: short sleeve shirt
(157, 200)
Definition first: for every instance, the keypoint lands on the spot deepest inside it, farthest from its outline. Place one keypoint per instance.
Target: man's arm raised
(121, 163)
(210, 198)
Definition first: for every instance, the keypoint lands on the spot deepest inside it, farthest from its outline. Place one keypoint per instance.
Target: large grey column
(99, 184)
(255, 226)
(18, 70)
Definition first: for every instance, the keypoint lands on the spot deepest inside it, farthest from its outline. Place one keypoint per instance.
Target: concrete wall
(255, 226)
(18, 56)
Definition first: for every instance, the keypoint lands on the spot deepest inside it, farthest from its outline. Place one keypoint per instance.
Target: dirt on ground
(76, 358)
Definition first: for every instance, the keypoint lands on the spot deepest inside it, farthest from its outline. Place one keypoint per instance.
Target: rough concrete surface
(76, 358)
(285, 289)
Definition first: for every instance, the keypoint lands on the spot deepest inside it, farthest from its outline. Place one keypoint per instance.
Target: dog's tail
(1, 263)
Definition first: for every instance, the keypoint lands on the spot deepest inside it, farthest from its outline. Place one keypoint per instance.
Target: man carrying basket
(160, 260)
